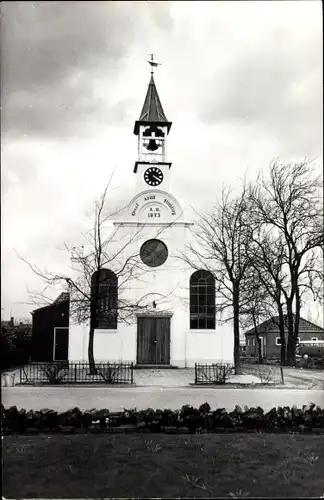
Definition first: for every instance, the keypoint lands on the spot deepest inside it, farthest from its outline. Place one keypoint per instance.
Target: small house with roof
(50, 330)
(270, 337)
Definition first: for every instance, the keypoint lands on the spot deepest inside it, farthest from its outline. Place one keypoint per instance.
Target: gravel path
(63, 398)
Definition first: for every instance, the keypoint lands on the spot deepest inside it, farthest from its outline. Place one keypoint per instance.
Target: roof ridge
(274, 319)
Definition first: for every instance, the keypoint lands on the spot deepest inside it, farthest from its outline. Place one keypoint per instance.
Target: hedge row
(316, 363)
(187, 420)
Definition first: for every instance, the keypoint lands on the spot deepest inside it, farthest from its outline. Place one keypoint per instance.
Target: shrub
(109, 373)
(16, 346)
(319, 363)
(266, 374)
(311, 363)
(188, 419)
(55, 372)
(8, 349)
(212, 374)
(272, 361)
(251, 360)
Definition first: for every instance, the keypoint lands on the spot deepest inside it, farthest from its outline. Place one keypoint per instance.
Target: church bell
(152, 145)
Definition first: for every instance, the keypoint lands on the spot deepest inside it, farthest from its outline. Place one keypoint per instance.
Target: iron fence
(76, 373)
(212, 373)
(267, 373)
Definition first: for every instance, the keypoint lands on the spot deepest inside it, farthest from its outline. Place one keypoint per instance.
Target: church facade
(165, 311)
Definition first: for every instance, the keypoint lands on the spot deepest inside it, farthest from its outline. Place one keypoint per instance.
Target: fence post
(195, 373)
(132, 374)
(20, 370)
(75, 373)
(282, 375)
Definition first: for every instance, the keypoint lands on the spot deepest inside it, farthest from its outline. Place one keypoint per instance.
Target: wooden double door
(153, 341)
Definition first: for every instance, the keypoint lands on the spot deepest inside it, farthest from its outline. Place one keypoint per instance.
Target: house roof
(152, 111)
(63, 297)
(272, 325)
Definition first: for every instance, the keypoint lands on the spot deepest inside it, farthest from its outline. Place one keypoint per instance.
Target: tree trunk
(237, 358)
(291, 345)
(92, 364)
(257, 339)
(93, 323)
(259, 349)
(283, 357)
(297, 320)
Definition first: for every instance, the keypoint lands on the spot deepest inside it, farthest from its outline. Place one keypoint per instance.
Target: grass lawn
(162, 465)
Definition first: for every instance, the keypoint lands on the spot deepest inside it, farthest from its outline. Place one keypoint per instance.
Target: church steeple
(152, 130)
(152, 111)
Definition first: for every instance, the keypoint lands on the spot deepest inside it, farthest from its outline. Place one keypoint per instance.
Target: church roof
(152, 111)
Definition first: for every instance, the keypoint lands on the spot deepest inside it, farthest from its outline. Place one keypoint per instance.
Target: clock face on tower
(153, 176)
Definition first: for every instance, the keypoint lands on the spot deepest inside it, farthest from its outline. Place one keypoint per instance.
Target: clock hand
(155, 177)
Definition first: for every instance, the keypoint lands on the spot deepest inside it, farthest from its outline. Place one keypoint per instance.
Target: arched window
(202, 300)
(104, 289)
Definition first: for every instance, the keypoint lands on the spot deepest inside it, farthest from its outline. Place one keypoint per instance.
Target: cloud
(53, 53)
(272, 78)
(241, 81)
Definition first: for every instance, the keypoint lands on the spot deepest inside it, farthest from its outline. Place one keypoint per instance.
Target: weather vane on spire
(153, 63)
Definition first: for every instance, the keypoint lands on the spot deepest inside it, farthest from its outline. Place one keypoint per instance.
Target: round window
(153, 253)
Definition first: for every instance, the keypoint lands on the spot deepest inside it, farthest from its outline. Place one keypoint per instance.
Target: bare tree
(288, 209)
(267, 258)
(259, 304)
(221, 241)
(85, 280)
(26, 320)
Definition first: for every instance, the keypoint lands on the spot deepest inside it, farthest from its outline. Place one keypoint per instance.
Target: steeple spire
(152, 111)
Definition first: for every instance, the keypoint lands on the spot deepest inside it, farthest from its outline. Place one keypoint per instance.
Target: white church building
(174, 320)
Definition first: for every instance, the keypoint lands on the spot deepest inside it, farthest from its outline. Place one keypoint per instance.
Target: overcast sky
(241, 82)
